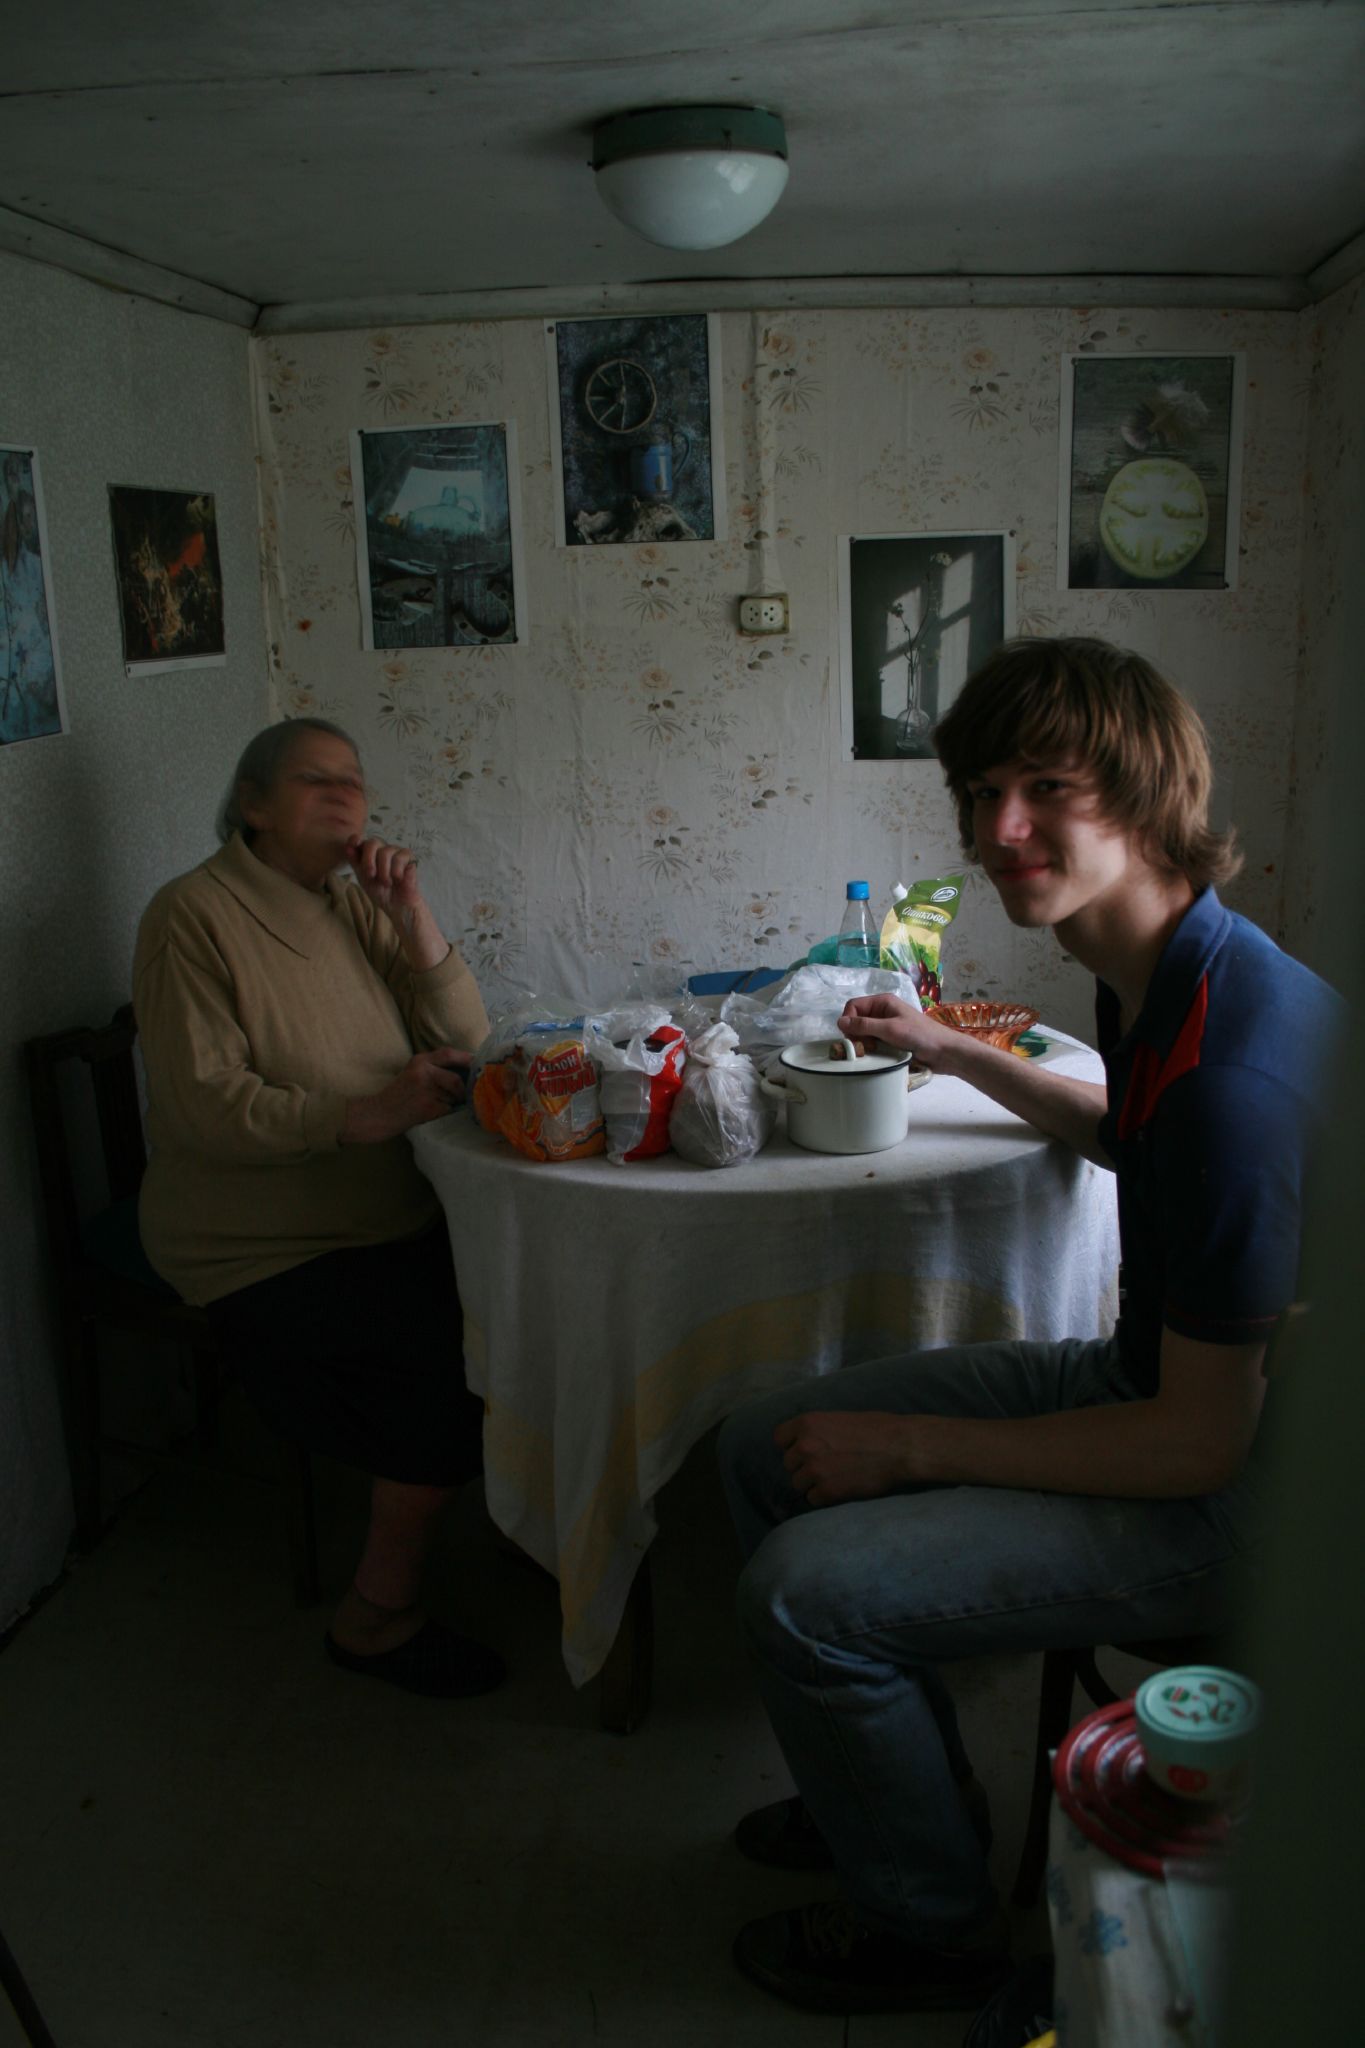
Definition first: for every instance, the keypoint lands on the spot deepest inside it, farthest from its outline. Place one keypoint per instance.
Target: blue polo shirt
(1214, 1097)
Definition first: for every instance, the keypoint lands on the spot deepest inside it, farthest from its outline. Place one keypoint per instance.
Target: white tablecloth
(614, 1313)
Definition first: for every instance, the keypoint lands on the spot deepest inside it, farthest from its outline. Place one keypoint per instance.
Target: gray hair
(262, 763)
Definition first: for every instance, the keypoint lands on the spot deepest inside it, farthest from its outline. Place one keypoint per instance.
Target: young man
(1020, 1496)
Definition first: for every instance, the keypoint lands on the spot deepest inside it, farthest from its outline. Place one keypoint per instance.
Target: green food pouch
(913, 931)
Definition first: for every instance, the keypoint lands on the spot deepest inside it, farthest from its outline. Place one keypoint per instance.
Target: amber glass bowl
(995, 1023)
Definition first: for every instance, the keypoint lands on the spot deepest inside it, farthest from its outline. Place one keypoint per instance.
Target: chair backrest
(106, 1052)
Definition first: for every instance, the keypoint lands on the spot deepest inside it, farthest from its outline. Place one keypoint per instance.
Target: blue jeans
(847, 1610)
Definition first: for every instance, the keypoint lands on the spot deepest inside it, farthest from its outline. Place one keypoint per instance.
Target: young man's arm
(1190, 1438)
(1053, 1103)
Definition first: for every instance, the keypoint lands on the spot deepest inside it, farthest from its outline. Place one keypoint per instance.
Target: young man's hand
(844, 1455)
(886, 1020)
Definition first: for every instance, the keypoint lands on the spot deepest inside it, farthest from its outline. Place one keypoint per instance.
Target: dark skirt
(359, 1355)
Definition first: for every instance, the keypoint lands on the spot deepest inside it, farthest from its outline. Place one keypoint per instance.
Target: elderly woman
(295, 1024)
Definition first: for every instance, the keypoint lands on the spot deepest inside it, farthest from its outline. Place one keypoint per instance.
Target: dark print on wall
(170, 584)
(439, 546)
(1151, 471)
(917, 613)
(635, 426)
(30, 672)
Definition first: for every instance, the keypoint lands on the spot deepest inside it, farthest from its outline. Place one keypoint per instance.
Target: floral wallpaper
(640, 791)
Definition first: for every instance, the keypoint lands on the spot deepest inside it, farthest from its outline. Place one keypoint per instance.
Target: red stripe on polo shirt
(1149, 1081)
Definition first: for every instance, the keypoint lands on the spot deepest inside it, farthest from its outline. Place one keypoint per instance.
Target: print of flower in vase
(662, 719)
(488, 944)
(790, 390)
(914, 721)
(983, 405)
(666, 855)
(400, 718)
(385, 380)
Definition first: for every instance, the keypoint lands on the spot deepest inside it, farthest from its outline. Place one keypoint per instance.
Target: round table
(613, 1314)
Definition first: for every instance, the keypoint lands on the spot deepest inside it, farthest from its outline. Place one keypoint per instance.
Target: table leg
(623, 1700)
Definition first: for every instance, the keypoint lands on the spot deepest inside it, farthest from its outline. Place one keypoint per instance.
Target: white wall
(108, 389)
(570, 825)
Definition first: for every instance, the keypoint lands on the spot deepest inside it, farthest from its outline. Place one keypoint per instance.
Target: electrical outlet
(763, 614)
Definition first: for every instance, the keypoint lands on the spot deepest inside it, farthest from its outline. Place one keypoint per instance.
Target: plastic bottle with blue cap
(859, 941)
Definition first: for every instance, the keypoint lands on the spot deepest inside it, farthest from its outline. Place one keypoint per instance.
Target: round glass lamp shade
(691, 177)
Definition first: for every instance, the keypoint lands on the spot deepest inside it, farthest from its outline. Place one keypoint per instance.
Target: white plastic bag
(808, 1005)
(721, 1115)
(638, 1080)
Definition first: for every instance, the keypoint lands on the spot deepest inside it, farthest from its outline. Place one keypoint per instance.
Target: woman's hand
(431, 1084)
(888, 1019)
(388, 876)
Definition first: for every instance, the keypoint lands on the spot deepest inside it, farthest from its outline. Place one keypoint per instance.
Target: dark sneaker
(825, 1959)
(785, 1836)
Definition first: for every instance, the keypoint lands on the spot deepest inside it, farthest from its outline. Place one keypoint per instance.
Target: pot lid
(812, 1057)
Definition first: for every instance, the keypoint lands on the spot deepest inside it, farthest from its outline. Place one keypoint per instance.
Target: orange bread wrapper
(543, 1098)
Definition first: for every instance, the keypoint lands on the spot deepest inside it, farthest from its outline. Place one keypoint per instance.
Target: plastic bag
(721, 1116)
(808, 1004)
(639, 1080)
(534, 1083)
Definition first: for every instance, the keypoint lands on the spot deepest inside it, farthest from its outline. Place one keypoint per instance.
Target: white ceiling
(346, 159)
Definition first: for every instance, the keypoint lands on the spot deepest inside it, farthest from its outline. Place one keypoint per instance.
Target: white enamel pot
(844, 1105)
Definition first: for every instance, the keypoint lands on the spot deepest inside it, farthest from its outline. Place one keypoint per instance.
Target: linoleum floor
(211, 1838)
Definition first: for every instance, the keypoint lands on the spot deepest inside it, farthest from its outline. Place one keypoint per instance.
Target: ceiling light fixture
(691, 177)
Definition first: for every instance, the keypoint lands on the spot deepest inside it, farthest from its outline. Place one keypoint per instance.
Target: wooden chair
(104, 1281)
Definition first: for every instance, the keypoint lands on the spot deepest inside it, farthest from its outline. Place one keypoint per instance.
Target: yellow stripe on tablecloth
(795, 1327)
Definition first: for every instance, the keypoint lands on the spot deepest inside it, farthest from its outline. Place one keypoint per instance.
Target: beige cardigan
(261, 1007)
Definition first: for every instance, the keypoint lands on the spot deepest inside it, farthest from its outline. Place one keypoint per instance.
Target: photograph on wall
(170, 583)
(635, 429)
(439, 546)
(1151, 472)
(917, 613)
(30, 669)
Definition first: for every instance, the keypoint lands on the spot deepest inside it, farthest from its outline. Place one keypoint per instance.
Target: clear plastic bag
(808, 1005)
(721, 1116)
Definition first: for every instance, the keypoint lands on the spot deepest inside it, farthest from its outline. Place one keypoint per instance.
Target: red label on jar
(1186, 1780)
